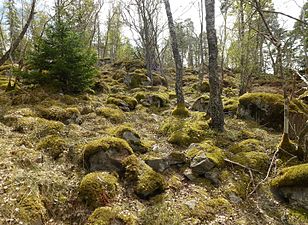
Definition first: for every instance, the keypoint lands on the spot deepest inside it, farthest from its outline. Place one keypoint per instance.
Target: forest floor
(40, 186)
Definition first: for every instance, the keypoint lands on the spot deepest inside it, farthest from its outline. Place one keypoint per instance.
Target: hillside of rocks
(116, 154)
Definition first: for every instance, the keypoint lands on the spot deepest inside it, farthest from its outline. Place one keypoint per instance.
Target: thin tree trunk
(201, 72)
(176, 55)
(242, 56)
(15, 44)
(215, 109)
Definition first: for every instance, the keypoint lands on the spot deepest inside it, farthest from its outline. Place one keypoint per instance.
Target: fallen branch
(240, 165)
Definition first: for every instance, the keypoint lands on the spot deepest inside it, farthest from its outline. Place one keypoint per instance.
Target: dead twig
(240, 165)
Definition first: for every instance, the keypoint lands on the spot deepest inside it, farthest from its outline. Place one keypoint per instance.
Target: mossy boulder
(204, 157)
(291, 185)
(267, 109)
(100, 86)
(32, 210)
(124, 102)
(57, 113)
(183, 132)
(132, 137)
(136, 78)
(230, 106)
(98, 189)
(248, 145)
(115, 115)
(108, 216)
(201, 104)
(53, 145)
(155, 99)
(106, 154)
(255, 160)
(204, 87)
(146, 181)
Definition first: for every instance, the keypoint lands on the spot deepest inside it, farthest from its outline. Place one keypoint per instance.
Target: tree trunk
(242, 56)
(215, 109)
(15, 44)
(176, 56)
(201, 72)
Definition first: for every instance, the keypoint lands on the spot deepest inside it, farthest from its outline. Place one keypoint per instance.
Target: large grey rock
(297, 196)
(201, 164)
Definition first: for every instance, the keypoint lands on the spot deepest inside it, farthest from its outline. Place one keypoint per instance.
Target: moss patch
(181, 111)
(65, 115)
(249, 145)
(124, 102)
(98, 188)
(255, 160)
(113, 114)
(231, 105)
(108, 215)
(147, 182)
(53, 145)
(155, 99)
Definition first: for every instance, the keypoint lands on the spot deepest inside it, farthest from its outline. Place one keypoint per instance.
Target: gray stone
(159, 165)
(295, 195)
(201, 104)
(201, 164)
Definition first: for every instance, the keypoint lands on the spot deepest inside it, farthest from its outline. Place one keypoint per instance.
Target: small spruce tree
(62, 52)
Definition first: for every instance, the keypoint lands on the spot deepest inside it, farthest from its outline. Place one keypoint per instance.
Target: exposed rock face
(201, 104)
(291, 185)
(106, 154)
(267, 109)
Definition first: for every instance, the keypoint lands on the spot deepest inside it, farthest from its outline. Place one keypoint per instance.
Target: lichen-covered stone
(200, 104)
(291, 185)
(106, 154)
(113, 114)
(132, 137)
(64, 115)
(147, 182)
(53, 145)
(98, 189)
(267, 109)
(124, 102)
(155, 99)
(110, 216)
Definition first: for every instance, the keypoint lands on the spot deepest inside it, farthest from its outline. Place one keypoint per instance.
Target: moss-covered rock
(136, 79)
(201, 104)
(230, 106)
(255, 160)
(155, 99)
(291, 185)
(53, 145)
(267, 109)
(65, 115)
(113, 114)
(204, 87)
(124, 102)
(100, 86)
(98, 189)
(183, 132)
(181, 111)
(32, 210)
(132, 137)
(147, 182)
(108, 216)
(248, 145)
(105, 153)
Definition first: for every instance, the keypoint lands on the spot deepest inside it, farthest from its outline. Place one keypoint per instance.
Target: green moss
(108, 215)
(180, 111)
(147, 182)
(292, 176)
(183, 132)
(255, 160)
(287, 147)
(65, 115)
(122, 101)
(248, 145)
(231, 105)
(267, 108)
(156, 99)
(98, 188)
(132, 137)
(32, 210)
(53, 145)
(212, 152)
(113, 114)
(105, 144)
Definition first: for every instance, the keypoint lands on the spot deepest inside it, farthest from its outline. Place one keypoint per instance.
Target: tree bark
(15, 44)
(176, 56)
(215, 109)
